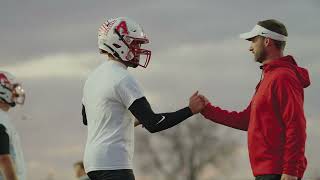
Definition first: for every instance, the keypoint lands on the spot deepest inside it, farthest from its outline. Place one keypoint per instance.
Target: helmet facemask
(135, 50)
(19, 95)
(12, 94)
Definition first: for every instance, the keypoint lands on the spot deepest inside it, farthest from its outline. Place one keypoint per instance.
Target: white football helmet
(122, 38)
(11, 92)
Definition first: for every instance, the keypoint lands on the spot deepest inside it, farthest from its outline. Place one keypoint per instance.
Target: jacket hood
(289, 62)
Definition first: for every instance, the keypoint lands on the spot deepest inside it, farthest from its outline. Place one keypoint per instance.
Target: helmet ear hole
(116, 45)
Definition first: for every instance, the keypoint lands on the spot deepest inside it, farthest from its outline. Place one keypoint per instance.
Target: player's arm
(155, 122)
(130, 95)
(6, 164)
(7, 167)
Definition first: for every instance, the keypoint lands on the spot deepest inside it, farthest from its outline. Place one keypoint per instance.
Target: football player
(12, 165)
(111, 96)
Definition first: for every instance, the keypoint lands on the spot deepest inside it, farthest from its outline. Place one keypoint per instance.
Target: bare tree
(50, 176)
(184, 151)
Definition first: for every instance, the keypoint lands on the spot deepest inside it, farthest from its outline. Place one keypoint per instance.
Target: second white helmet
(122, 38)
(11, 92)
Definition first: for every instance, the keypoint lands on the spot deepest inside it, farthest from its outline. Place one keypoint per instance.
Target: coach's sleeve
(237, 120)
(128, 90)
(289, 97)
(4, 141)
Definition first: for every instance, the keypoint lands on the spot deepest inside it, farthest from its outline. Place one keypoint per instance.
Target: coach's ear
(84, 116)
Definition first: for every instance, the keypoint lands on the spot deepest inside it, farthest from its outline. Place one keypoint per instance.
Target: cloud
(58, 66)
(39, 28)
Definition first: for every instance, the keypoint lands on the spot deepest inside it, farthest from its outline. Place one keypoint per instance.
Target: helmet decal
(122, 25)
(3, 79)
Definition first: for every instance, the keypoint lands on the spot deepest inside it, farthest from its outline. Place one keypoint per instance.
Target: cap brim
(248, 35)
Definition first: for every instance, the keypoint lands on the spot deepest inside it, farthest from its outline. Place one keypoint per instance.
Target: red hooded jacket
(274, 119)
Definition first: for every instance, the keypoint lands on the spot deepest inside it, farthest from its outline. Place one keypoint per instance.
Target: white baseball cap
(261, 31)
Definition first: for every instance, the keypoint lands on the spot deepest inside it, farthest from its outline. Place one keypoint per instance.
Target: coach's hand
(288, 177)
(205, 100)
(196, 103)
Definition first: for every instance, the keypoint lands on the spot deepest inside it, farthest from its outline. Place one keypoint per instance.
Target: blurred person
(79, 171)
(275, 118)
(111, 95)
(12, 165)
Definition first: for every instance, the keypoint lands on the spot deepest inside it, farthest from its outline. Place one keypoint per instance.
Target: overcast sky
(51, 46)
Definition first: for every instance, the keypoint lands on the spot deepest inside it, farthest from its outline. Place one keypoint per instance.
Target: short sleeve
(128, 90)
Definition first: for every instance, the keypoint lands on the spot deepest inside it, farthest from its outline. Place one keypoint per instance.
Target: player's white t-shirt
(108, 93)
(15, 146)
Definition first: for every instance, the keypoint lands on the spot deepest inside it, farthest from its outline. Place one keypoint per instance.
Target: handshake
(197, 103)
